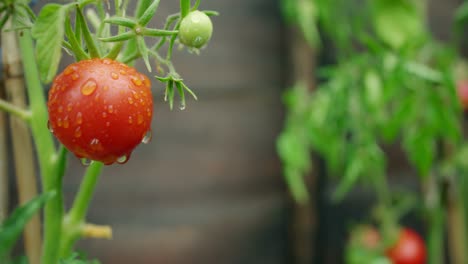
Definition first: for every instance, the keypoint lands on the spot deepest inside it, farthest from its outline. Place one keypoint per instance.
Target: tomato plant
(409, 248)
(462, 91)
(99, 108)
(386, 84)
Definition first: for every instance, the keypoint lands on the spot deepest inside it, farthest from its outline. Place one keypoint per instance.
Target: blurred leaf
(398, 22)
(354, 169)
(76, 258)
(461, 15)
(293, 145)
(307, 20)
(12, 227)
(420, 147)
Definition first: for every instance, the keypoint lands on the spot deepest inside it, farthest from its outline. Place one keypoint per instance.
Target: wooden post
(304, 222)
(4, 182)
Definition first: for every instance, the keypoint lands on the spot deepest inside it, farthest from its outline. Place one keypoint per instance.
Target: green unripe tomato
(195, 29)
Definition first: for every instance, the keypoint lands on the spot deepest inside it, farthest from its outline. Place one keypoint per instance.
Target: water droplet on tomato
(130, 100)
(60, 109)
(69, 107)
(69, 70)
(107, 124)
(106, 88)
(123, 72)
(104, 114)
(75, 76)
(110, 109)
(147, 137)
(147, 82)
(88, 87)
(49, 126)
(140, 119)
(107, 61)
(136, 81)
(114, 75)
(130, 120)
(94, 142)
(85, 162)
(66, 123)
(79, 118)
(78, 132)
(59, 122)
(195, 19)
(122, 160)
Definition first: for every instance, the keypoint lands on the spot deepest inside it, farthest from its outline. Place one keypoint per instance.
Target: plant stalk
(436, 221)
(184, 8)
(75, 219)
(22, 144)
(47, 156)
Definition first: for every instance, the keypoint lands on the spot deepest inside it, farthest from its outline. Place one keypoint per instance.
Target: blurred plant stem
(22, 145)
(436, 219)
(4, 182)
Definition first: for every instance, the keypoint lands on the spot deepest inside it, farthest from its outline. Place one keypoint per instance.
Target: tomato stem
(184, 7)
(53, 210)
(25, 115)
(76, 217)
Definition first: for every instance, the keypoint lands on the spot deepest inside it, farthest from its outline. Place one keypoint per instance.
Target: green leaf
(354, 169)
(420, 147)
(398, 22)
(289, 9)
(143, 51)
(307, 21)
(461, 15)
(13, 226)
(145, 18)
(88, 37)
(158, 32)
(75, 44)
(22, 16)
(121, 37)
(49, 32)
(121, 21)
(76, 258)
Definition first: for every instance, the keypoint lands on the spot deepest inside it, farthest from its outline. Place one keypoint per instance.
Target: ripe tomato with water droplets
(101, 109)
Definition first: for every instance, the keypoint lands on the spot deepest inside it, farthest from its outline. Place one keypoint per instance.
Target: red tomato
(462, 90)
(409, 248)
(100, 109)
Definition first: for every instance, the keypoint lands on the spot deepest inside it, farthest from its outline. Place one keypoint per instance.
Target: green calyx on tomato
(195, 29)
(101, 109)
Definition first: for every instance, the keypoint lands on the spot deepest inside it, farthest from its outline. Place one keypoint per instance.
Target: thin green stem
(436, 220)
(85, 193)
(196, 5)
(75, 219)
(184, 7)
(53, 211)
(15, 110)
(172, 42)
